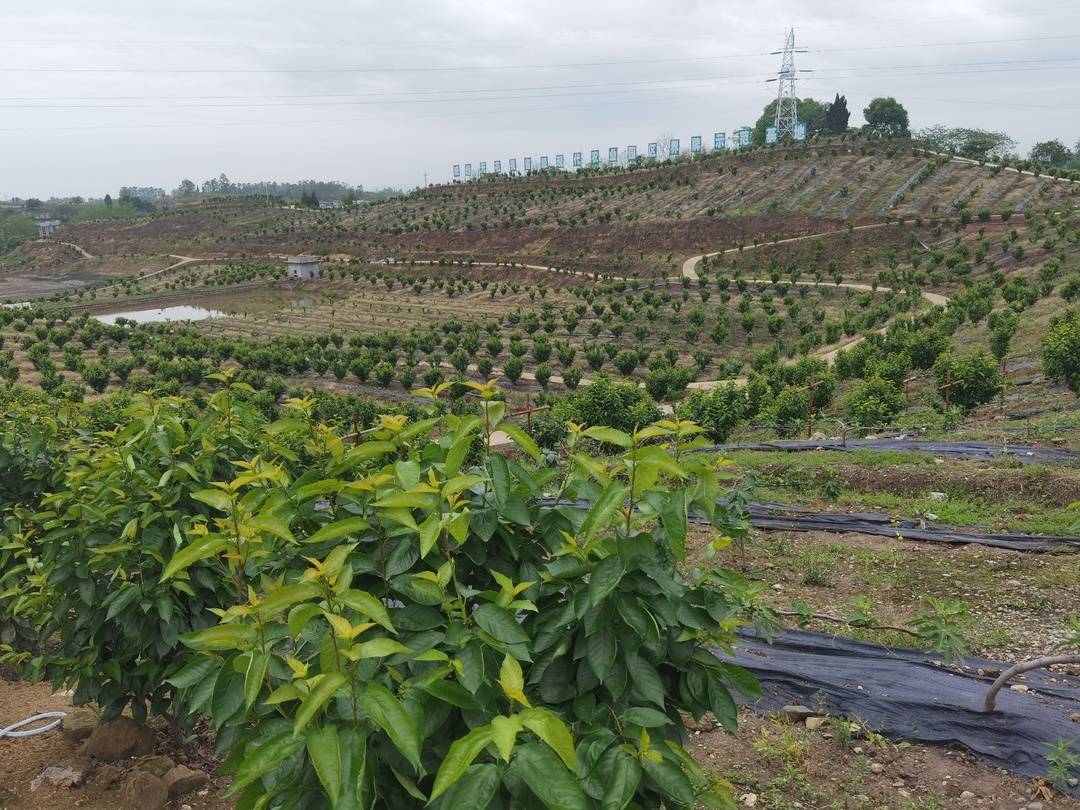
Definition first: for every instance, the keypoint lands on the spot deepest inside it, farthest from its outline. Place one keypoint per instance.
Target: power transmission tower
(787, 113)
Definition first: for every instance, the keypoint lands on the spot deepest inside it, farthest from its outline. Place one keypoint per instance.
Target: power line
(460, 68)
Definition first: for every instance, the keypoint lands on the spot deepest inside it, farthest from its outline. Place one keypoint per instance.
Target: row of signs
(740, 138)
(799, 133)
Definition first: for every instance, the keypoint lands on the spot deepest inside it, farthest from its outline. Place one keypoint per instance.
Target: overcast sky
(128, 92)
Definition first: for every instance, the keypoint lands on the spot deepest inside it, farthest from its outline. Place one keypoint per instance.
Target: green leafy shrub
(389, 623)
(874, 402)
(1061, 349)
(974, 377)
(718, 411)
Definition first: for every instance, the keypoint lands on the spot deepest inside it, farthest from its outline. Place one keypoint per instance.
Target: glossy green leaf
(338, 529)
(386, 711)
(322, 689)
(460, 756)
(548, 727)
(548, 778)
(324, 751)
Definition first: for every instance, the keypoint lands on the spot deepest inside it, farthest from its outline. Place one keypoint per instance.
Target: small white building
(303, 267)
(46, 226)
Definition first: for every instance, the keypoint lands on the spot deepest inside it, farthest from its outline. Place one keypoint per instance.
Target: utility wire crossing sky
(118, 92)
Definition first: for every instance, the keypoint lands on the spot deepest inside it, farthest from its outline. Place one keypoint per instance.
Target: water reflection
(177, 313)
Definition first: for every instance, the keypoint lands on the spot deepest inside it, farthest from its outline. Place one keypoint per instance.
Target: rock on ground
(182, 780)
(119, 739)
(144, 791)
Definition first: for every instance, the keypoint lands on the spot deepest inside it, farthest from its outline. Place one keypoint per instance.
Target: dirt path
(85, 253)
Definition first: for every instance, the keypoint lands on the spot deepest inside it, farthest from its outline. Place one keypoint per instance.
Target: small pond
(164, 314)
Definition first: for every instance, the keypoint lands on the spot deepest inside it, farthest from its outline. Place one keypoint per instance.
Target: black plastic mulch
(971, 451)
(903, 695)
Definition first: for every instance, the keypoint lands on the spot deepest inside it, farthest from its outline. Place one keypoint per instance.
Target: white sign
(631, 153)
(695, 145)
(513, 165)
(543, 162)
(560, 161)
(498, 167)
(770, 134)
(594, 157)
(528, 165)
(718, 139)
(612, 155)
(483, 168)
(468, 170)
(653, 150)
(800, 132)
(457, 171)
(673, 148)
(577, 160)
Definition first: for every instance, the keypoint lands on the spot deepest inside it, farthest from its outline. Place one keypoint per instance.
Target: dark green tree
(837, 115)
(887, 117)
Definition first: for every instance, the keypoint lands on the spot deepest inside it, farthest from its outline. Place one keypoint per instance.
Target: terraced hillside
(645, 219)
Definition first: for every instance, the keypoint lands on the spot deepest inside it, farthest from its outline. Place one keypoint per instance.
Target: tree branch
(1024, 666)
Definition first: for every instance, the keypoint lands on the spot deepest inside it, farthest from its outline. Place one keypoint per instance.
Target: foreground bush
(379, 624)
(874, 402)
(1061, 349)
(974, 378)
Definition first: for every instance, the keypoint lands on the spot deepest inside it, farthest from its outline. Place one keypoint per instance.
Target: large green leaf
(547, 777)
(621, 773)
(474, 790)
(644, 678)
(548, 727)
(386, 711)
(322, 689)
(337, 529)
(458, 759)
(259, 761)
(601, 511)
(366, 604)
(604, 578)
(500, 624)
(521, 439)
(324, 751)
(600, 649)
(206, 546)
(216, 498)
(220, 637)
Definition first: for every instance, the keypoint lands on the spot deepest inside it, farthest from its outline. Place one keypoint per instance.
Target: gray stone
(877, 767)
(938, 496)
(1035, 806)
(814, 723)
(144, 791)
(181, 780)
(70, 774)
(119, 739)
(967, 796)
(796, 713)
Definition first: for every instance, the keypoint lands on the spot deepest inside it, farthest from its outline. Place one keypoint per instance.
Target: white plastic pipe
(11, 731)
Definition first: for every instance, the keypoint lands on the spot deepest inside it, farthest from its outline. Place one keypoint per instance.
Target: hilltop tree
(887, 117)
(186, 188)
(1052, 153)
(811, 113)
(976, 144)
(837, 115)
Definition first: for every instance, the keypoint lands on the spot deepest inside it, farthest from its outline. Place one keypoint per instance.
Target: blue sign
(594, 157)
(770, 134)
(513, 165)
(653, 151)
(695, 144)
(457, 171)
(498, 167)
(543, 162)
(743, 136)
(560, 161)
(673, 148)
(468, 170)
(483, 168)
(800, 132)
(718, 139)
(613, 155)
(631, 153)
(528, 165)
(577, 160)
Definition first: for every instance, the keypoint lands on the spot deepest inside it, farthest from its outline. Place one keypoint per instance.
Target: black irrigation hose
(976, 451)
(907, 695)
(787, 517)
